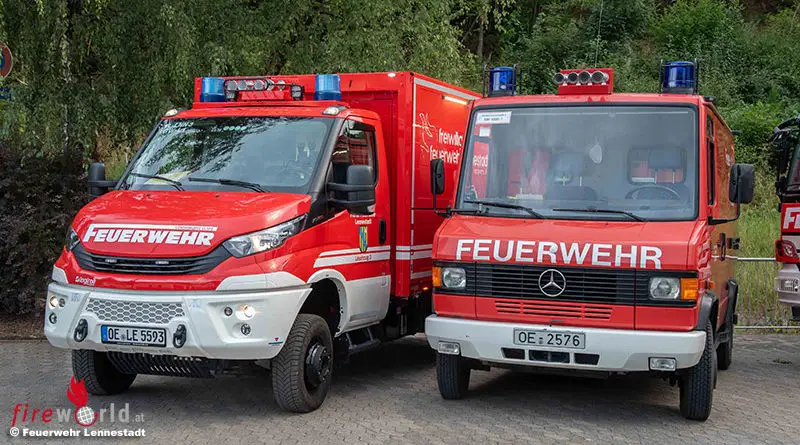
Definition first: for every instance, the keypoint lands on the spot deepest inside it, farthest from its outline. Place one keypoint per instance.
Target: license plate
(123, 335)
(561, 339)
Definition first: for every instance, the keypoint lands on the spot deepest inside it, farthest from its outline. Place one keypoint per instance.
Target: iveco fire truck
(786, 140)
(591, 231)
(285, 220)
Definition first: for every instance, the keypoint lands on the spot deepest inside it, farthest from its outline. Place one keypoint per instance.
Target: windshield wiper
(233, 182)
(504, 205)
(596, 210)
(171, 182)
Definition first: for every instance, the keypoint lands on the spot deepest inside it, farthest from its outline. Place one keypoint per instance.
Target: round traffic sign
(5, 60)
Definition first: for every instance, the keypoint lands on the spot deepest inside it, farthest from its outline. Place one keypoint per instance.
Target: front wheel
(301, 372)
(697, 385)
(452, 374)
(99, 375)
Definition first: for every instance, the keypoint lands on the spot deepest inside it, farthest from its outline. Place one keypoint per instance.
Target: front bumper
(788, 294)
(618, 349)
(209, 332)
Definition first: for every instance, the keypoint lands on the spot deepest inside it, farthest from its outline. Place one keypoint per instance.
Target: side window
(710, 158)
(355, 145)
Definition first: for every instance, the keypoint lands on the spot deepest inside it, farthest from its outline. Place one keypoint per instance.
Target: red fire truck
(786, 140)
(285, 220)
(590, 232)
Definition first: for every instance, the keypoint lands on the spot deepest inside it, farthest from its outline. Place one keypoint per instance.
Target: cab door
(724, 237)
(362, 251)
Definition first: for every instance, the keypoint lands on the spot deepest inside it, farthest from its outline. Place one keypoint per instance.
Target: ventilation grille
(134, 312)
(563, 311)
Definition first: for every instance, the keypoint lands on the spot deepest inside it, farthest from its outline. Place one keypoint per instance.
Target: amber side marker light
(437, 276)
(689, 288)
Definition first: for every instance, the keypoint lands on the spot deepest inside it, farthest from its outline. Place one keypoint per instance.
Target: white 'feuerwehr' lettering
(548, 252)
(150, 234)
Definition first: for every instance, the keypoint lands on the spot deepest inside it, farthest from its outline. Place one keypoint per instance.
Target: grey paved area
(389, 395)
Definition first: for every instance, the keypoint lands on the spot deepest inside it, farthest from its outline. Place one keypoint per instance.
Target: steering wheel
(634, 194)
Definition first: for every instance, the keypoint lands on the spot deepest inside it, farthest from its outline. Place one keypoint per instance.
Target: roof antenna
(597, 39)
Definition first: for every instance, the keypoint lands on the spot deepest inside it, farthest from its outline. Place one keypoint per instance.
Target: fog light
(53, 301)
(62, 302)
(446, 347)
(788, 284)
(53, 318)
(228, 311)
(245, 329)
(248, 311)
(663, 364)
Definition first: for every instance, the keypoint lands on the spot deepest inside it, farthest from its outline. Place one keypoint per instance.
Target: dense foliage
(92, 76)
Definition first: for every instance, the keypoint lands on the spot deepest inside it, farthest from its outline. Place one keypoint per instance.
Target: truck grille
(583, 284)
(134, 312)
(560, 310)
(150, 266)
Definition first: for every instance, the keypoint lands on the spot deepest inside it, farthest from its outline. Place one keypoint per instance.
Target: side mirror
(358, 193)
(742, 183)
(98, 184)
(437, 177)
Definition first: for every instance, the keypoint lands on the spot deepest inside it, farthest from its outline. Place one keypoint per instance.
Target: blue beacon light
(327, 87)
(213, 89)
(679, 77)
(502, 81)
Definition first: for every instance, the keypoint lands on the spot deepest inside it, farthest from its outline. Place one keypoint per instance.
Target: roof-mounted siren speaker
(585, 81)
(599, 77)
(679, 77)
(502, 80)
(572, 78)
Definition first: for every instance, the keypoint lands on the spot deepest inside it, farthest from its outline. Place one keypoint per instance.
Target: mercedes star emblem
(552, 283)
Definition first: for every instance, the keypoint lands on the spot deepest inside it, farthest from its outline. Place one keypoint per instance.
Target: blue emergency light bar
(327, 87)
(679, 77)
(502, 80)
(213, 89)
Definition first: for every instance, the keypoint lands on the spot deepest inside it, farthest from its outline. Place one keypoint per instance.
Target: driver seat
(565, 181)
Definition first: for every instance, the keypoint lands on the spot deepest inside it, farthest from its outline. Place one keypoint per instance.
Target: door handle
(382, 231)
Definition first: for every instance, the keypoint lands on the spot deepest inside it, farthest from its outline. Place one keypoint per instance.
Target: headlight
(72, 240)
(454, 278)
(665, 288)
(263, 240)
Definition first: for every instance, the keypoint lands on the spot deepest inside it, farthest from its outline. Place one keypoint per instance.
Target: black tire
(697, 384)
(725, 350)
(98, 373)
(452, 374)
(297, 386)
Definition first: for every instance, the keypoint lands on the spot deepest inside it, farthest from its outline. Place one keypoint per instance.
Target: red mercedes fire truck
(786, 141)
(590, 232)
(285, 220)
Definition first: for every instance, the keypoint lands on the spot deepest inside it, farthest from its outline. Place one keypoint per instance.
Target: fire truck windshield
(278, 154)
(598, 162)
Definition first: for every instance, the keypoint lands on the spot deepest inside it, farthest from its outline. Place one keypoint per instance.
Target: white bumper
(790, 293)
(618, 349)
(210, 333)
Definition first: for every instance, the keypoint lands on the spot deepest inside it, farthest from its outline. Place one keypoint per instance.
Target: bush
(39, 197)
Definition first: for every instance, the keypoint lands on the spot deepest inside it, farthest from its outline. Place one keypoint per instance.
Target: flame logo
(77, 394)
(427, 132)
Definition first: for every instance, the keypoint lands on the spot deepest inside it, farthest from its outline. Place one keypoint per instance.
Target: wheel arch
(328, 290)
(709, 310)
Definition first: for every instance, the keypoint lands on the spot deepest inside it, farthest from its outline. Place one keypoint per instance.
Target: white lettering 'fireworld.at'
(150, 234)
(549, 252)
